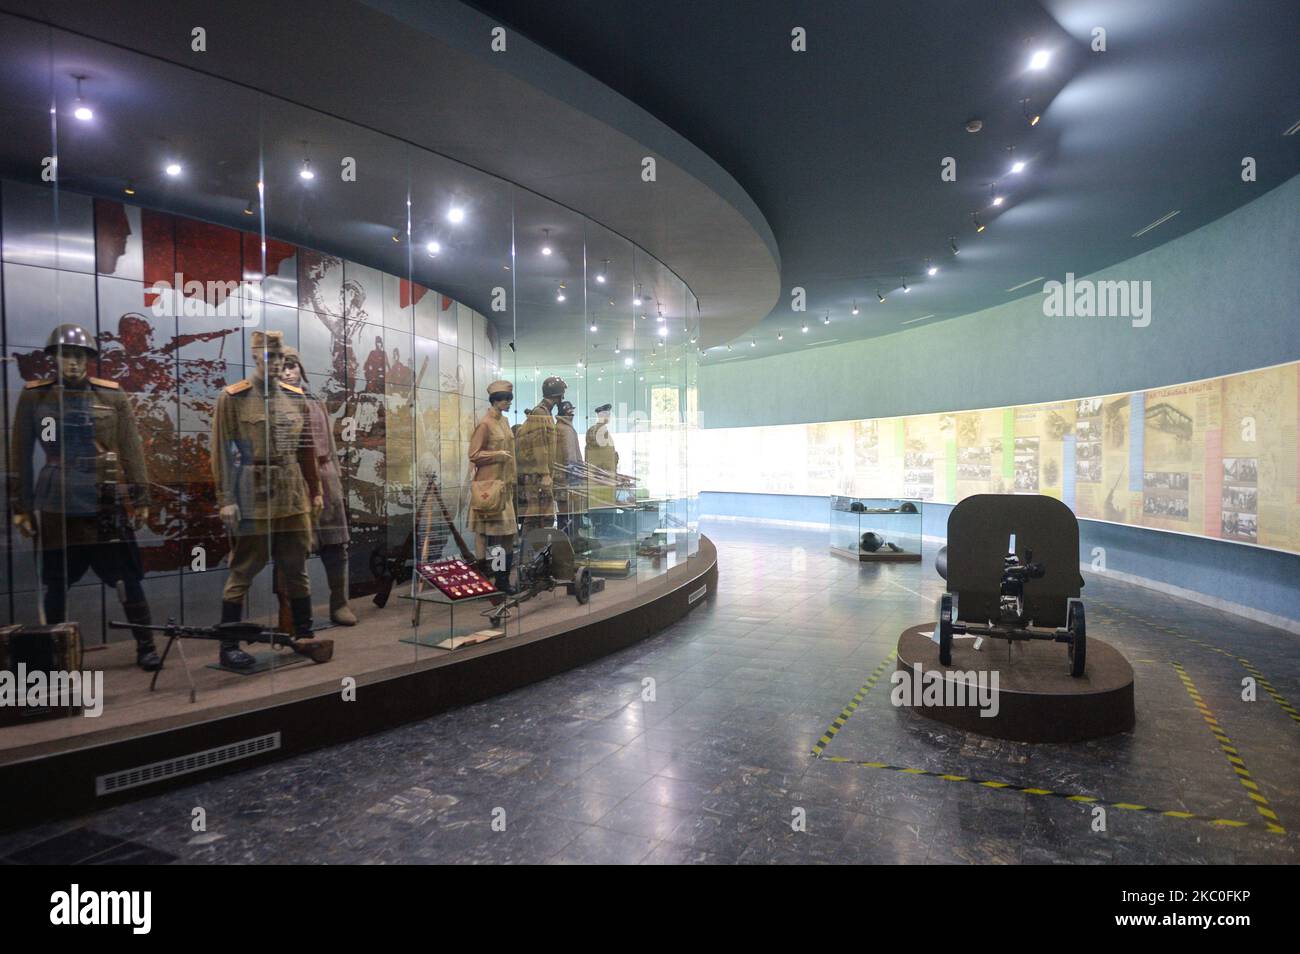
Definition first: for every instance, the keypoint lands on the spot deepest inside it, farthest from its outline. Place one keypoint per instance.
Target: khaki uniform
(537, 456)
(264, 461)
(80, 427)
(491, 436)
(601, 455)
(570, 486)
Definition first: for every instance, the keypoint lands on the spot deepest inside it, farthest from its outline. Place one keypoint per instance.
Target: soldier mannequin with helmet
(539, 458)
(92, 491)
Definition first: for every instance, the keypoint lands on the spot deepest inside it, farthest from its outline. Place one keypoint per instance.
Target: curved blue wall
(1226, 298)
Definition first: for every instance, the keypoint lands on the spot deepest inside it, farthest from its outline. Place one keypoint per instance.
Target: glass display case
(251, 392)
(876, 529)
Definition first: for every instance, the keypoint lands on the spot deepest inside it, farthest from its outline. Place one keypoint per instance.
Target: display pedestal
(878, 556)
(266, 661)
(1037, 699)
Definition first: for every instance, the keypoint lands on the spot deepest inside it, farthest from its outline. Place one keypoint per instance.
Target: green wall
(1226, 298)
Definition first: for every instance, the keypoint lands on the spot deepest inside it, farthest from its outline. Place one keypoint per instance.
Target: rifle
(389, 565)
(318, 651)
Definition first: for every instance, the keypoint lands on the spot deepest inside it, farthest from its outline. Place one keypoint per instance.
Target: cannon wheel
(1078, 629)
(582, 585)
(945, 629)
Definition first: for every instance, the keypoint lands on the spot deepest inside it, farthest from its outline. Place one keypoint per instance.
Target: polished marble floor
(717, 766)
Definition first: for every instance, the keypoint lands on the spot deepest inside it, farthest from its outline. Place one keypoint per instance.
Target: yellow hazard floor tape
(1262, 806)
(1245, 663)
(846, 713)
(852, 707)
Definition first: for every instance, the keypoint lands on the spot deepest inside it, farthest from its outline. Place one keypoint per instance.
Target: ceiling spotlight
(172, 168)
(1017, 167)
(880, 296)
(931, 269)
(455, 215)
(397, 238)
(728, 349)
(79, 108)
(997, 200)
(975, 220)
(855, 306)
(753, 342)
(248, 209)
(827, 319)
(1031, 117)
(593, 328)
(627, 362)
(952, 243)
(804, 329)
(546, 242)
(663, 331)
(559, 293)
(780, 336)
(600, 275)
(305, 172)
(636, 299)
(434, 248)
(130, 189)
(1039, 60)
(905, 288)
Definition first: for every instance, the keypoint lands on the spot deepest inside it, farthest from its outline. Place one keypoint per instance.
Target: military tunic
(93, 452)
(570, 486)
(537, 458)
(264, 461)
(492, 435)
(603, 459)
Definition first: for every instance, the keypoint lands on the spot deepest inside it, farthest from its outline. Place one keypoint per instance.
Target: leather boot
(301, 606)
(340, 612)
(146, 653)
(231, 656)
(501, 579)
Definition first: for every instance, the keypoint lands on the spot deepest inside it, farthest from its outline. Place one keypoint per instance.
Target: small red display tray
(457, 579)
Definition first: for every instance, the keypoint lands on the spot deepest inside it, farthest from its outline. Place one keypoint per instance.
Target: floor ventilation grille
(185, 764)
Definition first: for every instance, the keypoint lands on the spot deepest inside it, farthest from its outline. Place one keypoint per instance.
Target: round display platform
(1037, 699)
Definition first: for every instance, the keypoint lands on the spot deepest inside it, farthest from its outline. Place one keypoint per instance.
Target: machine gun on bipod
(317, 650)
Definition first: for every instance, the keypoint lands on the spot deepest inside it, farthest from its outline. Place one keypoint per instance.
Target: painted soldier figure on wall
(92, 491)
(268, 486)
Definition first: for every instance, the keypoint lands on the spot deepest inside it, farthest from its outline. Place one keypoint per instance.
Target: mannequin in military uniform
(492, 452)
(264, 465)
(538, 458)
(330, 535)
(570, 489)
(92, 449)
(603, 459)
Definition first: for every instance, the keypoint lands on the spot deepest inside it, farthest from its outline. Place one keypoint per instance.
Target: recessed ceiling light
(173, 168)
(434, 248)
(1018, 166)
(1039, 60)
(455, 215)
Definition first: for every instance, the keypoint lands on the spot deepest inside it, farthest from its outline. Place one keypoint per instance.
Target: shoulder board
(102, 383)
(291, 387)
(238, 386)
(39, 384)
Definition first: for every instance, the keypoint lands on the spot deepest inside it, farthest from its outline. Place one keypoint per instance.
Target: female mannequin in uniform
(492, 452)
(330, 529)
